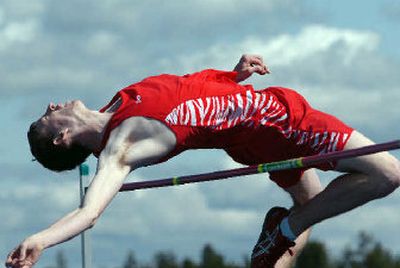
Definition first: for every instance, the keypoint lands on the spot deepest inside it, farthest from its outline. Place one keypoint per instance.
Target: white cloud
(316, 39)
(61, 195)
(17, 32)
(285, 49)
(13, 217)
(102, 42)
(23, 8)
(2, 19)
(366, 110)
(186, 209)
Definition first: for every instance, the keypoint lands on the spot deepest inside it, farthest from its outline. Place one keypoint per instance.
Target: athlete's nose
(51, 107)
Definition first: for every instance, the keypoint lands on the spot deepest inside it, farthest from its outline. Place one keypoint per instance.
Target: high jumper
(153, 120)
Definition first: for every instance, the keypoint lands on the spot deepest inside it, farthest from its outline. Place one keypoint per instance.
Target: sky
(341, 55)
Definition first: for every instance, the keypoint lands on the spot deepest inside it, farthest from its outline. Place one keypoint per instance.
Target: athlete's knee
(394, 174)
(389, 177)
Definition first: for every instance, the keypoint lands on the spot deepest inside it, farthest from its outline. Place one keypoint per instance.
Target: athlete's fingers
(259, 66)
(257, 69)
(27, 264)
(266, 69)
(261, 62)
(259, 57)
(9, 257)
(14, 263)
(255, 61)
(12, 258)
(22, 252)
(260, 69)
(253, 57)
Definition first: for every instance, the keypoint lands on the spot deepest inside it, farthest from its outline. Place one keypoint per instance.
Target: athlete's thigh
(368, 164)
(306, 188)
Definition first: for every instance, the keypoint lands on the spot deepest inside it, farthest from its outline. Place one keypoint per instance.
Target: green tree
(130, 261)
(379, 257)
(233, 265)
(166, 260)
(314, 255)
(211, 259)
(353, 257)
(367, 254)
(188, 263)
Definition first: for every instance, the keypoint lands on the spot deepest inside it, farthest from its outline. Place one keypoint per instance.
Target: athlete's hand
(25, 255)
(248, 65)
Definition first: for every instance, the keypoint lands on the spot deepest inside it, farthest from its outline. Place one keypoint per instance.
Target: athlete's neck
(92, 130)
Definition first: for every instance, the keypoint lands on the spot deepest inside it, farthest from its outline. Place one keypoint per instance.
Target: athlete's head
(53, 140)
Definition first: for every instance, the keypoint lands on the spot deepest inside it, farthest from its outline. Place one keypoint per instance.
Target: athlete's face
(61, 116)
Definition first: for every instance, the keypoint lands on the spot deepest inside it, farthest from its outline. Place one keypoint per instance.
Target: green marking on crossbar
(299, 162)
(260, 168)
(175, 181)
(280, 165)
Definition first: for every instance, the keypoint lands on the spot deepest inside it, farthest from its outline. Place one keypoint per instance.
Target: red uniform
(209, 109)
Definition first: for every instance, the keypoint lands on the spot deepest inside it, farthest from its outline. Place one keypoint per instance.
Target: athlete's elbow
(91, 217)
(92, 222)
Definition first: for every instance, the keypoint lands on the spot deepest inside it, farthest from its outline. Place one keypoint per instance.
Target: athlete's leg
(301, 193)
(368, 178)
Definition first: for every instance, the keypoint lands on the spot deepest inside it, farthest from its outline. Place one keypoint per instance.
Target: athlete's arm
(108, 179)
(249, 64)
(151, 142)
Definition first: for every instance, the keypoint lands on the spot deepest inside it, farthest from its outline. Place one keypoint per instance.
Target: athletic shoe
(271, 244)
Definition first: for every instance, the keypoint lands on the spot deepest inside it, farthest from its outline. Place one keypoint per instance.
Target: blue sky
(343, 56)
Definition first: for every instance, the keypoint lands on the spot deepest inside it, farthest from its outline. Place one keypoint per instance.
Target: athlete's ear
(61, 138)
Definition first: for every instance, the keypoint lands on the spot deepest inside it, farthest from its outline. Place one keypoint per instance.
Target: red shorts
(305, 132)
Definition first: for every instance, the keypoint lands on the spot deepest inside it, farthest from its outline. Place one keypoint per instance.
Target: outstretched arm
(152, 140)
(106, 183)
(249, 64)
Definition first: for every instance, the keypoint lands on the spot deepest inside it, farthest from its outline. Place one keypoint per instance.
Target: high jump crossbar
(301, 162)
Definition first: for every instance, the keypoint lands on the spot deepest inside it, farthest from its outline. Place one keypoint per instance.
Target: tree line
(366, 252)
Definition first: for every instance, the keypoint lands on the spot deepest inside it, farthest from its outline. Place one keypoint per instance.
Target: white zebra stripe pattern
(249, 109)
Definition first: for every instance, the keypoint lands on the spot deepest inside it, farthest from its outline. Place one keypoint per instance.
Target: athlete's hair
(51, 156)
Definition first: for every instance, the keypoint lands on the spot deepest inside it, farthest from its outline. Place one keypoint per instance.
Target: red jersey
(209, 109)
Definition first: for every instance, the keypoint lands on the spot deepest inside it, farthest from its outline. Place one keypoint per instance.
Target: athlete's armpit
(140, 141)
